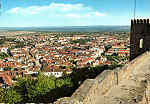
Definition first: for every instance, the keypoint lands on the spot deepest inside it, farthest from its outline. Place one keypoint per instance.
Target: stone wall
(88, 92)
(140, 29)
(146, 96)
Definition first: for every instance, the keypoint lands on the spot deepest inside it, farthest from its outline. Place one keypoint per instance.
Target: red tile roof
(6, 78)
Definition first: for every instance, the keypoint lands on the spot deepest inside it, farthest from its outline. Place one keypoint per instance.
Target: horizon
(67, 26)
(56, 13)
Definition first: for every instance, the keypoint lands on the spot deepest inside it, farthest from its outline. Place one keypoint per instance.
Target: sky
(35, 13)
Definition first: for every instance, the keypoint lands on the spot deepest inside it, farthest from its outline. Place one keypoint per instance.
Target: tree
(9, 51)
(32, 88)
(3, 55)
(20, 44)
(68, 82)
(60, 82)
(1, 95)
(11, 96)
(44, 84)
(8, 69)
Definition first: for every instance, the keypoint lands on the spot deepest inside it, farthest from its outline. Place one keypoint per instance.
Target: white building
(56, 74)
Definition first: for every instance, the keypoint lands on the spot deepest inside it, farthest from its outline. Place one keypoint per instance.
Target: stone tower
(139, 37)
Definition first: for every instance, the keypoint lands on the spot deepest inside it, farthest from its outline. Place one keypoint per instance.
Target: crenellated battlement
(140, 21)
(139, 37)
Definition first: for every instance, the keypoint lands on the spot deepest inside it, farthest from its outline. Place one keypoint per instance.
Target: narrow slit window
(141, 43)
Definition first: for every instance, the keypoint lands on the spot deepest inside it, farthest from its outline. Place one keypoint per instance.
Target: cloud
(58, 9)
(99, 14)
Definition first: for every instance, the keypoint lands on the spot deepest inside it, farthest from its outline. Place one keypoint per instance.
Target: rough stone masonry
(131, 87)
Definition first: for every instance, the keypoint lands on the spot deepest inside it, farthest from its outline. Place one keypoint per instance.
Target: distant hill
(70, 29)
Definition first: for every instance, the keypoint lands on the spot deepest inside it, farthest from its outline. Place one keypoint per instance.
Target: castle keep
(139, 37)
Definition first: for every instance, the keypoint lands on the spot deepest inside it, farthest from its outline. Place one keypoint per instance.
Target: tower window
(141, 43)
